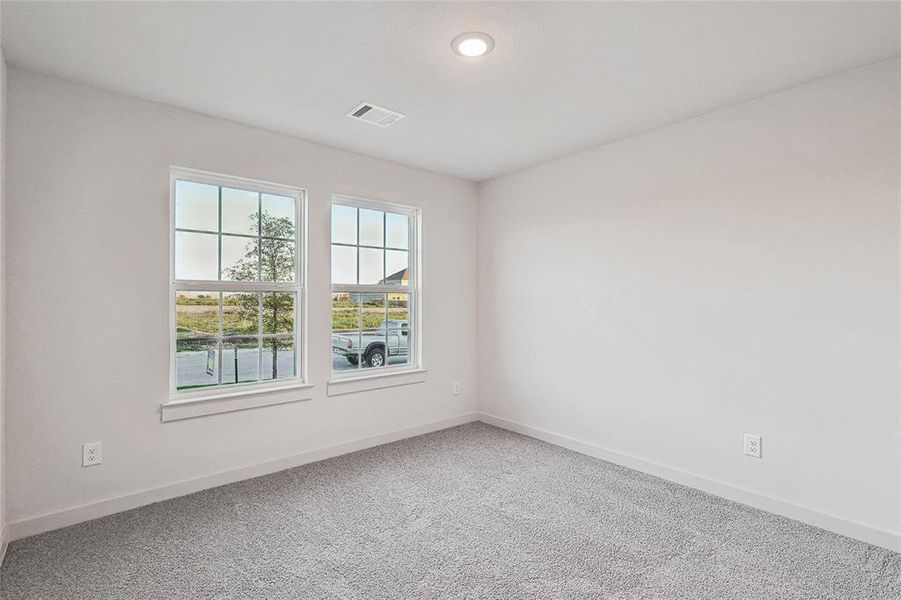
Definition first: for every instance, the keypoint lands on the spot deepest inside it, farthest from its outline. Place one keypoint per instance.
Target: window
(236, 282)
(374, 286)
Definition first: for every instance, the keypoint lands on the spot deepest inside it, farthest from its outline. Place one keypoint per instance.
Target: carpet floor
(468, 512)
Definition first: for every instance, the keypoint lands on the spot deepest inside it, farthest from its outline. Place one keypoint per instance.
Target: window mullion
(188, 230)
(260, 336)
(359, 328)
(219, 239)
(370, 288)
(219, 341)
(358, 247)
(235, 286)
(260, 236)
(387, 329)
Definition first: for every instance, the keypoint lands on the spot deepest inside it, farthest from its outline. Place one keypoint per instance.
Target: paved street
(191, 367)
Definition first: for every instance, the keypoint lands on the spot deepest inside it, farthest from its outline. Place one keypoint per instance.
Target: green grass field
(205, 323)
(195, 322)
(349, 319)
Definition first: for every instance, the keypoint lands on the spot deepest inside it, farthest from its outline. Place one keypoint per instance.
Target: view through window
(373, 287)
(236, 281)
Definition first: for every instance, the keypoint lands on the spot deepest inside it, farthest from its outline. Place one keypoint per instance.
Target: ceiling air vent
(375, 115)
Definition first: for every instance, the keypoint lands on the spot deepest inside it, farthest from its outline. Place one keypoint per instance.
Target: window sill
(364, 383)
(184, 406)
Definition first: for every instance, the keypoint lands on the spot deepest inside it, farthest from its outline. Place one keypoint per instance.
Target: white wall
(737, 272)
(2, 302)
(88, 295)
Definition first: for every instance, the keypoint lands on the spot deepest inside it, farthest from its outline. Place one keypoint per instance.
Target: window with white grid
(374, 286)
(236, 281)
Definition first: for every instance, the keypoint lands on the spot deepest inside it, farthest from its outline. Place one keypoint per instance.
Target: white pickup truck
(370, 345)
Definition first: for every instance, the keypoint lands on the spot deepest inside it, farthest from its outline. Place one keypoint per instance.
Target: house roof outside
(400, 276)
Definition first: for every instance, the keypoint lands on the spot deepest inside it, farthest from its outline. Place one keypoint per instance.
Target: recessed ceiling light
(472, 45)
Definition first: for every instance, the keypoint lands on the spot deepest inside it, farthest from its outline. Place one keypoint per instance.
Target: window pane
(278, 357)
(372, 344)
(398, 310)
(279, 216)
(345, 311)
(345, 331)
(239, 211)
(278, 313)
(196, 256)
(344, 264)
(372, 267)
(372, 338)
(240, 360)
(240, 313)
(196, 206)
(196, 363)
(373, 310)
(344, 224)
(345, 350)
(397, 231)
(372, 223)
(239, 258)
(196, 315)
(277, 260)
(396, 263)
(398, 329)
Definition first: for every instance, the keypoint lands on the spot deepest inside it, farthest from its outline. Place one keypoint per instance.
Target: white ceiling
(562, 77)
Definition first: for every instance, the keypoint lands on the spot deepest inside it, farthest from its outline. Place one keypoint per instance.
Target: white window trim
(227, 398)
(249, 396)
(413, 372)
(376, 381)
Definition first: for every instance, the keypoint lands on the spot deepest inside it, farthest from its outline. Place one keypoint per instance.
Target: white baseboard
(4, 543)
(95, 510)
(838, 525)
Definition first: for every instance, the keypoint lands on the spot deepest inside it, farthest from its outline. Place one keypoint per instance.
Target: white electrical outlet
(91, 454)
(752, 445)
(456, 388)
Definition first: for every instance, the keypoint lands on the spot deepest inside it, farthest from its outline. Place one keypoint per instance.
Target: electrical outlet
(91, 454)
(456, 388)
(752, 445)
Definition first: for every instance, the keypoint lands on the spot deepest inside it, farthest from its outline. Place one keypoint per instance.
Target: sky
(382, 237)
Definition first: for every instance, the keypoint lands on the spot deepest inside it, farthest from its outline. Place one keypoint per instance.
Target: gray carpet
(469, 512)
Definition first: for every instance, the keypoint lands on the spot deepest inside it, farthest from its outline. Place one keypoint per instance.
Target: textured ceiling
(563, 76)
